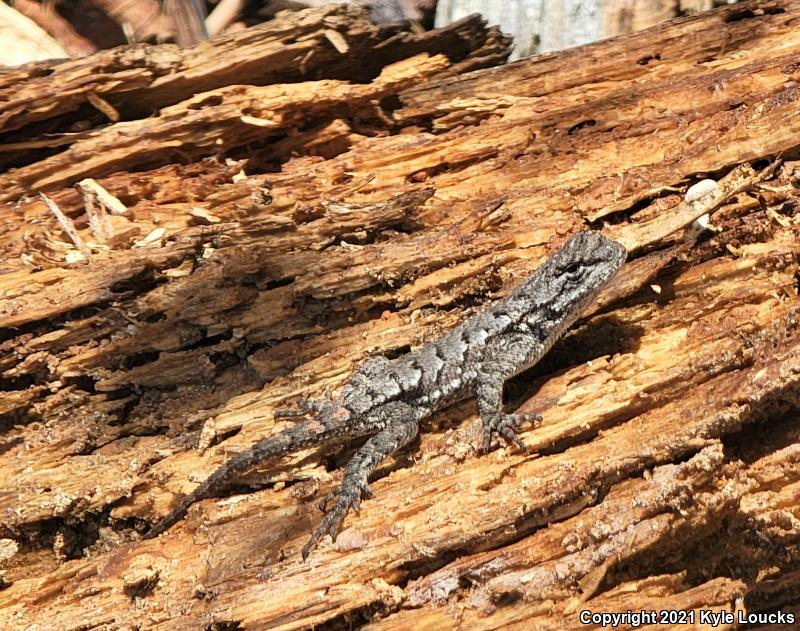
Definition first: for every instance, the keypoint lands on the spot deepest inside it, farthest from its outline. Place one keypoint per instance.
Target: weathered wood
(214, 121)
(684, 49)
(669, 412)
(332, 42)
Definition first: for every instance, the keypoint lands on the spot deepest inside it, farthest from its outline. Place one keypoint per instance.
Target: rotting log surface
(665, 474)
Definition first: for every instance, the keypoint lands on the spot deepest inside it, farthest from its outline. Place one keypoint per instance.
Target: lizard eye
(573, 271)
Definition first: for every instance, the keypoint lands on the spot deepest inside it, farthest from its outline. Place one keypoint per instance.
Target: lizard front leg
(401, 424)
(504, 357)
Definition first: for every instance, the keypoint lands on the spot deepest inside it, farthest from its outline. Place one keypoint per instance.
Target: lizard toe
(333, 530)
(487, 438)
(330, 524)
(508, 434)
(506, 426)
(312, 542)
(325, 501)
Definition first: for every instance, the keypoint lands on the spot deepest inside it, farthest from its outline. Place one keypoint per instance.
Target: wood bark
(144, 345)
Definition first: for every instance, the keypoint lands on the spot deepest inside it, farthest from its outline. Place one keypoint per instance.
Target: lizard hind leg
(400, 426)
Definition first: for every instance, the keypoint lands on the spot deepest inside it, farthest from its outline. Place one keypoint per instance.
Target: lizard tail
(305, 434)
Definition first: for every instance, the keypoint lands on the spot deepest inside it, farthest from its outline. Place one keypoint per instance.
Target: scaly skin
(387, 399)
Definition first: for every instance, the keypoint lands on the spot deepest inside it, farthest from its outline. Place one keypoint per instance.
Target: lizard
(386, 399)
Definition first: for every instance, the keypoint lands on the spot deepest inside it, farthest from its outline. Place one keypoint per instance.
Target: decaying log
(665, 473)
(332, 42)
(211, 122)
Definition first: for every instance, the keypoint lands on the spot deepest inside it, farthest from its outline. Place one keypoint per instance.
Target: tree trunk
(153, 320)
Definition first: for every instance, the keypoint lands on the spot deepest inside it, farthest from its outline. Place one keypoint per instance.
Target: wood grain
(665, 472)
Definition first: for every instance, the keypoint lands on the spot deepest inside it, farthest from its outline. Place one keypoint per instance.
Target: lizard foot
(336, 505)
(506, 426)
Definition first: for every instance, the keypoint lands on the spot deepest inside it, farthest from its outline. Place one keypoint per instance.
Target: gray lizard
(386, 399)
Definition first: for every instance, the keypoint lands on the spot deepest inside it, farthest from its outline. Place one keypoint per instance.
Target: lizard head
(576, 273)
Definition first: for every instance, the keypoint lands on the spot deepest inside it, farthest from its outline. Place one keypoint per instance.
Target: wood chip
(204, 216)
(66, 223)
(111, 203)
(101, 105)
(338, 40)
(152, 237)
